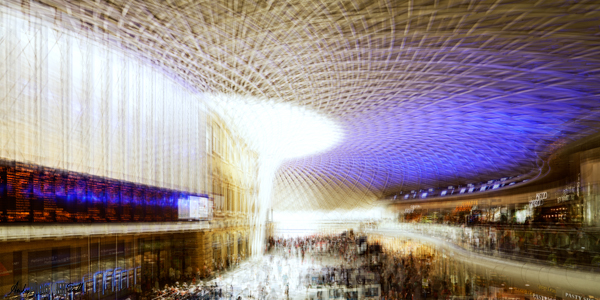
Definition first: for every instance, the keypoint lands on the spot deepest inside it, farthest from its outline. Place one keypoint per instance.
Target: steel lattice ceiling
(430, 93)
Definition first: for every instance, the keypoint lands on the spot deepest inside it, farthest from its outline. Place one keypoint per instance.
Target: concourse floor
(269, 275)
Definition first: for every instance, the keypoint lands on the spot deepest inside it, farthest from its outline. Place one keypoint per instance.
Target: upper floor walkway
(565, 246)
(503, 252)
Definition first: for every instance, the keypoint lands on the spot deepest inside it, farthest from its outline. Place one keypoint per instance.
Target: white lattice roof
(429, 93)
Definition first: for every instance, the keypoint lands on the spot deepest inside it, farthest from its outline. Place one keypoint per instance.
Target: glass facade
(107, 267)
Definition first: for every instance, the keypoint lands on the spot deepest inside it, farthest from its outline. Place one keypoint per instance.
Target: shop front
(114, 267)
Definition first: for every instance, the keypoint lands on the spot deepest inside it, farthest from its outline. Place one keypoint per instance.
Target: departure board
(113, 196)
(150, 200)
(64, 211)
(76, 190)
(44, 200)
(20, 184)
(70, 195)
(137, 203)
(159, 205)
(126, 196)
(31, 193)
(145, 192)
(49, 195)
(171, 208)
(37, 199)
(3, 187)
(95, 198)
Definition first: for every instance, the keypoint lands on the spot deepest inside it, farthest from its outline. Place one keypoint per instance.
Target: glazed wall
(71, 101)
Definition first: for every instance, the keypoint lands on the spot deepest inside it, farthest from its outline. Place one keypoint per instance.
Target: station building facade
(99, 148)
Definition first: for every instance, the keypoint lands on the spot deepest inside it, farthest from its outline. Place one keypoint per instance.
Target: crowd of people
(195, 292)
(293, 267)
(570, 247)
(400, 274)
(411, 276)
(342, 246)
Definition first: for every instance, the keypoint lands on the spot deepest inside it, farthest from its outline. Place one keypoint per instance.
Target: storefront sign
(540, 196)
(564, 198)
(540, 297)
(578, 297)
(539, 199)
(547, 289)
(469, 203)
(522, 291)
(464, 208)
(536, 203)
(568, 193)
(412, 209)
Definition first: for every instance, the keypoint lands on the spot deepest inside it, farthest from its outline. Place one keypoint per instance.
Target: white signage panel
(194, 207)
(183, 208)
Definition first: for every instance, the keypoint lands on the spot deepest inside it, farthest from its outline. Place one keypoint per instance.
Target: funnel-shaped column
(267, 169)
(277, 131)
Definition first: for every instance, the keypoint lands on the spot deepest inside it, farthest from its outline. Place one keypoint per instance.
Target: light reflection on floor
(273, 272)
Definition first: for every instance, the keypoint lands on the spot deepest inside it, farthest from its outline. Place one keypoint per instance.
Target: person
(171, 274)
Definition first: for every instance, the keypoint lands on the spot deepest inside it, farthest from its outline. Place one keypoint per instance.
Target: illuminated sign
(568, 193)
(521, 291)
(33, 193)
(469, 203)
(536, 203)
(540, 297)
(564, 198)
(539, 200)
(578, 297)
(203, 208)
(541, 196)
(183, 208)
(547, 289)
(194, 208)
(199, 207)
(412, 209)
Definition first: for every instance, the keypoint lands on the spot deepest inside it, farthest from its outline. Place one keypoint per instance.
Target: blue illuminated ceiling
(430, 93)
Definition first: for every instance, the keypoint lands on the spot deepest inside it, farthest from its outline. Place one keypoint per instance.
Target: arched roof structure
(430, 93)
